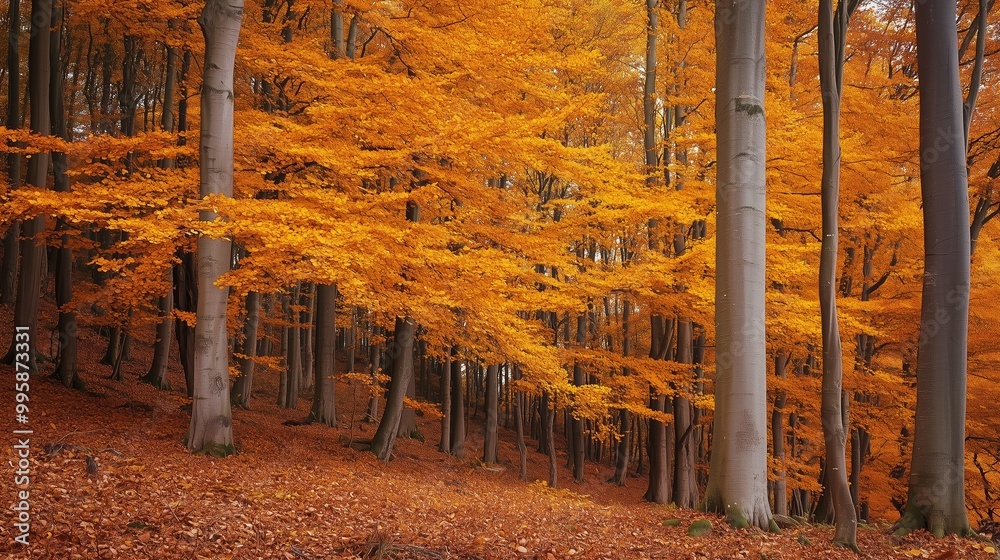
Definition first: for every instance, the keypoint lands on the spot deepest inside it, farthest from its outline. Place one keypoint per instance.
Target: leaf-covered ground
(297, 491)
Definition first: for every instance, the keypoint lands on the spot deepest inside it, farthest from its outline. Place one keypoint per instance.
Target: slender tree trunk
(577, 422)
(243, 386)
(338, 47)
(550, 443)
(685, 491)
(211, 418)
(778, 438)
(658, 491)
(324, 407)
(457, 405)
(649, 92)
(625, 418)
(186, 299)
(157, 375)
(543, 405)
(293, 352)
(832, 39)
(737, 484)
(492, 403)
(308, 301)
(522, 449)
(66, 369)
(375, 354)
(402, 371)
(445, 446)
(936, 493)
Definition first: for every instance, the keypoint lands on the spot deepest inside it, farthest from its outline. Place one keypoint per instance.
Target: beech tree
(211, 418)
(936, 491)
(737, 480)
(832, 40)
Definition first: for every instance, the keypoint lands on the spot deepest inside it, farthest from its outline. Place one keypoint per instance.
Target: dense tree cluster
(721, 247)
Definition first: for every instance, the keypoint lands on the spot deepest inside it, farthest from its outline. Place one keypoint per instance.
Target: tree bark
(737, 484)
(649, 92)
(32, 251)
(66, 370)
(832, 32)
(324, 407)
(625, 418)
(11, 240)
(778, 438)
(402, 371)
(936, 493)
(445, 446)
(186, 299)
(243, 386)
(157, 375)
(211, 418)
(457, 405)
(492, 402)
(685, 490)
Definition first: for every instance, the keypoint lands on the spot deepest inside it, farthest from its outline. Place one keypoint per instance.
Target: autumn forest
(490, 279)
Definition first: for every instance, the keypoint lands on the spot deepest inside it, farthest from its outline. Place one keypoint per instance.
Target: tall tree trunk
(492, 402)
(8, 268)
(649, 92)
(402, 371)
(522, 449)
(157, 375)
(457, 405)
(737, 484)
(778, 438)
(445, 446)
(33, 251)
(211, 418)
(324, 407)
(625, 418)
(577, 422)
(936, 493)
(658, 491)
(186, 299)
(243, 386)
(66, 369)
(307, 300)
(832, 40)
(550, 441)
(685, 491)
(375, 357)
(337, 45)
(293, 351)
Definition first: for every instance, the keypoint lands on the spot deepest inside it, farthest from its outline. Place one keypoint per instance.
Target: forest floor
(298, 491)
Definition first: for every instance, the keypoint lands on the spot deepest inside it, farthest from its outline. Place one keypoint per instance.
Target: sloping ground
(299, 492)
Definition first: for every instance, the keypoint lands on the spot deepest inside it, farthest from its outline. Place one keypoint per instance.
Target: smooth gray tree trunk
(737, 483)
(936, 492)
(211, 418)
